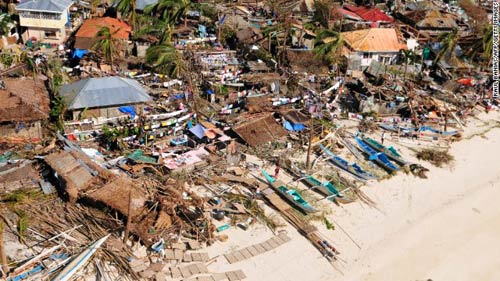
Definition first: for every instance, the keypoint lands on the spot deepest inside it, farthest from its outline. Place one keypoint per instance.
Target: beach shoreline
(420, 229)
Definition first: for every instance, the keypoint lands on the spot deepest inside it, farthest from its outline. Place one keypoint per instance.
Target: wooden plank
(204, 257)
(187, 257)
(246, 253)
(202, 268)
(238, 256)
(277, 240)
(219, 277)
(253, 250)
(230, 258)
(169, 254)
(260, 248)
(178, 254)
(241, 275)
(193, 269)
(284, 237)
(176, 273)
(196, 256)
(185, 271)
(231, 275)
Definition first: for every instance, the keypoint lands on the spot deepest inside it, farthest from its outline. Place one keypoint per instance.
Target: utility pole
(309, 145)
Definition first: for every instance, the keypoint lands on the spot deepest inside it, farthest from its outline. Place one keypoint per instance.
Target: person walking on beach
(382, 137)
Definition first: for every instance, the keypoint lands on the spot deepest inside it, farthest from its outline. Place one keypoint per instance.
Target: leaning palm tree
(328, 44)
(448, 42)
(409, 57)
(107, 44)
(127, 9)
(169, 12)
(166, 60)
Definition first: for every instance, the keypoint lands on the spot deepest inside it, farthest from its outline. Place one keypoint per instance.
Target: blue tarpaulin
(210, 92)
(79, 53)
(293, 127)
(198, 131)
(129, 110)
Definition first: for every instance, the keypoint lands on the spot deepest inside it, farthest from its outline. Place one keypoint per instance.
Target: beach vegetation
(438, 158)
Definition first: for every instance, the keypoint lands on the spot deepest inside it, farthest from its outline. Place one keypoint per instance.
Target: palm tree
(488, 43)
(166, 60)
(107, 44)
(409, 57)
(328, 44)
(127, 9)
(5, 24)
(448, 42)
(170, 11)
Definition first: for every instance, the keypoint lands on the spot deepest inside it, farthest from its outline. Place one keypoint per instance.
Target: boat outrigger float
(291, 195)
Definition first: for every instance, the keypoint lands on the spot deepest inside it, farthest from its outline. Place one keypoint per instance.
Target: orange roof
(91, 27)
(373, 40)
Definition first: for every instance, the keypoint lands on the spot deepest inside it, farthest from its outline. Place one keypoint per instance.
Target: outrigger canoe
(352, 168)
(378, 157)
(390, 151)
(291, 195)
(79, 261)
(325, 188)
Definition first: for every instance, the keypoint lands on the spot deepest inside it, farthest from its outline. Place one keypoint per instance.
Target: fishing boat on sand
(40, 266)
(378, 157)
(390, 151)
(324, 188)
(352, 168)
(79, 261)
(289, 194)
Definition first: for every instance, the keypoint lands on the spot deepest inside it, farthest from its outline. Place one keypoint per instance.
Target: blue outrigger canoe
(378, 157)
(352, 168)
(390, 151)
(291, 195)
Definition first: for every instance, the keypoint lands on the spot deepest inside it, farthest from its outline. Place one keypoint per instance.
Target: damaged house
(24, 108)
(260, 129)
(86, 36)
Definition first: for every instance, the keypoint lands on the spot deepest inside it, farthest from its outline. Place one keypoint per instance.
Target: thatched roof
(24, 99)
(260, 130)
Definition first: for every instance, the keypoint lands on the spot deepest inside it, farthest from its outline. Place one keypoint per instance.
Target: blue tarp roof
(198, 131)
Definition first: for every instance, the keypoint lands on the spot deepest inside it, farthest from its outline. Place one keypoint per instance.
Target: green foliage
(57, 111)
(227, 32)
(328, 45)
(322, 12)
(5, 23)
(107, 44)
(328, 224)
(166, 60)
(207, 10)
(6, 59)
(22, 223)
(437, 158)
(488, 42)
(448, 42)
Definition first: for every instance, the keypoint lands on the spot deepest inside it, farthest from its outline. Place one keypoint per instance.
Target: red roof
(372, 15)
(91, 27)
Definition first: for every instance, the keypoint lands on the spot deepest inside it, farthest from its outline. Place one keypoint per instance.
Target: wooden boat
(291, 195)
(325, 188)
(79, 261)
(40, 266)
(378, 157)
(390, 151)
(351, 168)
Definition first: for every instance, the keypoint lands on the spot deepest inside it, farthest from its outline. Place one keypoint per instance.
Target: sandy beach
(445, 227)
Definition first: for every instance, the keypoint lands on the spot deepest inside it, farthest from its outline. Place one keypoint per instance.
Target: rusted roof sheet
(260, 130)
(373, 40)
(296, 117)
(87, 34)
(24, 100)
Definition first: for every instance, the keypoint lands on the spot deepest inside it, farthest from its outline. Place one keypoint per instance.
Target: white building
(381, 44)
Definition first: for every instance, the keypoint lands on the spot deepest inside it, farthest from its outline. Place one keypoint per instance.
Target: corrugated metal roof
(44, 5)
(103, 92)
(373, 40)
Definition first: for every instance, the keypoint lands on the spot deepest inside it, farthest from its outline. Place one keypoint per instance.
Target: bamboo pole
(3, 256)
(129, 219)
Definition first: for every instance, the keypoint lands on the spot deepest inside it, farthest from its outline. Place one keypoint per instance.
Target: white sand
(446, 227)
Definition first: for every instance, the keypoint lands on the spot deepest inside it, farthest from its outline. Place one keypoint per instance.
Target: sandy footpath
(446, 227)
